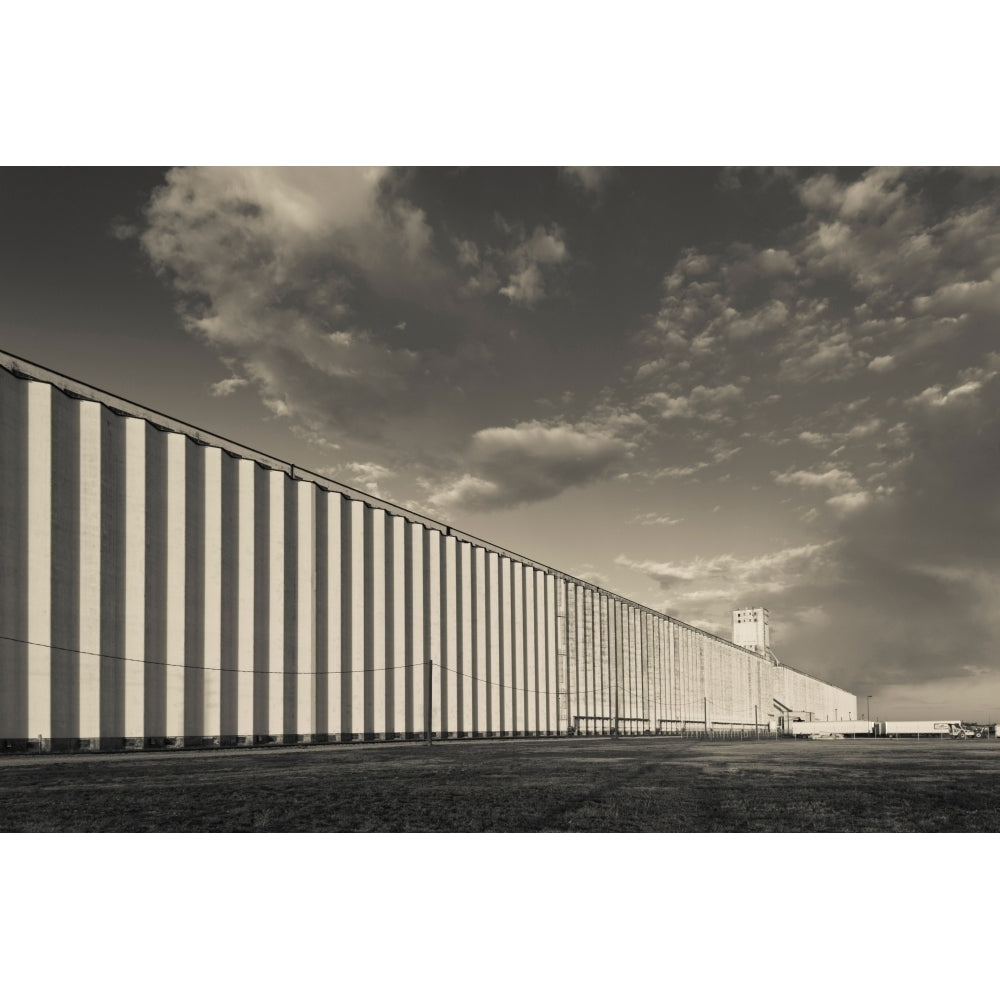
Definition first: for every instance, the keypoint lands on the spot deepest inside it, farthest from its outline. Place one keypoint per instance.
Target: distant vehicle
(956, 730)
(825, 736)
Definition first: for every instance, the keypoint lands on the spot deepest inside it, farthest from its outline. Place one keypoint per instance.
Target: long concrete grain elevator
(160, 586)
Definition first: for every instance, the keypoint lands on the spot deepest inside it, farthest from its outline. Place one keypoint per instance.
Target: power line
(683, 706)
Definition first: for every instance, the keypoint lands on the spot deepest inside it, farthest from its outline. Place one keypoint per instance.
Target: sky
(701, 388)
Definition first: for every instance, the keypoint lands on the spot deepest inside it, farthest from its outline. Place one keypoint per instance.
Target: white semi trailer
(848, 728)
(940, 729)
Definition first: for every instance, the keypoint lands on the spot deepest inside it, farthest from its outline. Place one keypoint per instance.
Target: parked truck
(941, 729)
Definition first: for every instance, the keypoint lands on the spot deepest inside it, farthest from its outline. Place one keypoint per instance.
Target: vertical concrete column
(245, 610)
(212, 652)
(276, 605)
(64, 575)
(660, 699)
(589, 671)
(467, 662)
(334, 615)
(683, 674)
(567, 690)
(495, 674)
(416, 647)
(628, 663)
(624, 674)
(601, 698)
(480, 669)
(175, 486)
(375, 632)
(677, 661)
(528, 633)
(545, 688)
(688, 707)
(305, 655)
(38, 581)
(692, 700)
(576, 642)
(354, 585)
(648, 667)
(670, 673)
(397, 654)
(535, 609)
(194, 594)
(629, 654)
(713, 689)
(642, 669)
(666, 707)
(135, 579)
(229, 541)
(518, 664)
(552, 723)
(449, 640)
(638, 672)
(321, 617)
(432, 622)
(13, 558)
(615, 649)
(510, 680)
(614, 664)
(89, 578)
(288, 676)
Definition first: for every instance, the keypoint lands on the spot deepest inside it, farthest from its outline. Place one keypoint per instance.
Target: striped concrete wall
(159, 586)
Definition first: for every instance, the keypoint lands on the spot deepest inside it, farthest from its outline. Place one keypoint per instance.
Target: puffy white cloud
(884, 363)
(227, 386)
(268, 264)
(526, 285)
(933, 396)
(592, 179)
(845, 503)
(702, 402)
(530, 461)
(819, 353)
(720, 583)
(961, 297)
(776, 262)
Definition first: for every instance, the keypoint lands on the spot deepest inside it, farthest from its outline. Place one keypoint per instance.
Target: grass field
(652, 784)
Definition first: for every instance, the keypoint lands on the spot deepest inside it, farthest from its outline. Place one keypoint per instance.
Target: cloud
(591, 179)
(917, 571)
(932, 396)
(961, 297)
(272, 267)
(543, 248)
(884, 363)
(650, 520)
(227, 386)
(831, 479)
(717, 584)
(845, 503)
(528, 462)
(702, 402)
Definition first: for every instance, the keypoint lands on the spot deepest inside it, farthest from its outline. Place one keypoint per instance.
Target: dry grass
(665, 785)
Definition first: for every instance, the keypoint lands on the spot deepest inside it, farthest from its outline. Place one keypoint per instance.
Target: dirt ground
(573, 784)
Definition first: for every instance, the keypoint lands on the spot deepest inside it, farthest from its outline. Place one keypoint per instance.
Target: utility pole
(428, 681)
(756, 731)
(706, 718)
